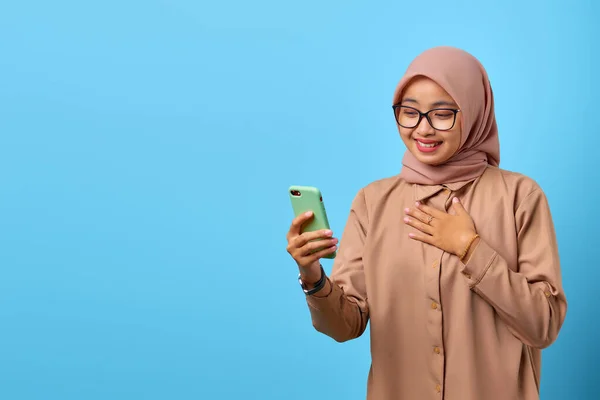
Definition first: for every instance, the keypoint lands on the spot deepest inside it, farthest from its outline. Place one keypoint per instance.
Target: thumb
(458, 207)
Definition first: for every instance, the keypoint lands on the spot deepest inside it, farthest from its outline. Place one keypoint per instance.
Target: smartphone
(308, 198)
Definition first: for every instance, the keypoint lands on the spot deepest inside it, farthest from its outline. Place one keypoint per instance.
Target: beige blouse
(441, 329)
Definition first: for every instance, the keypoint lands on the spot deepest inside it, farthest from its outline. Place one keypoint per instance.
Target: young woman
(453, 262)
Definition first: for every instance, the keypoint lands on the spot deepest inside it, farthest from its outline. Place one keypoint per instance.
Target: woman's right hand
(302, 245)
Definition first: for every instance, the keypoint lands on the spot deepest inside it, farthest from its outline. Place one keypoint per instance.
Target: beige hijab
(466, 81)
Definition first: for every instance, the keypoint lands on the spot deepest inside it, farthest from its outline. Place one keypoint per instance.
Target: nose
(424, 128)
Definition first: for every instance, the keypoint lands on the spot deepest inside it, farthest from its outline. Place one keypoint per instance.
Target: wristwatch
(318, 285)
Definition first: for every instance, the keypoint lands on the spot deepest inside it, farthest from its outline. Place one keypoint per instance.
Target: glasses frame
(426, 115)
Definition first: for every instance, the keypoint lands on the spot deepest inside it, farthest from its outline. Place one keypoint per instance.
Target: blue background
(145, 152)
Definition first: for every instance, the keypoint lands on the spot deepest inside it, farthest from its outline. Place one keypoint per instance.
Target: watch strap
(320, 284)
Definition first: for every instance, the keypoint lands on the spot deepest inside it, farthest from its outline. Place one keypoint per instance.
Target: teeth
(429, 144)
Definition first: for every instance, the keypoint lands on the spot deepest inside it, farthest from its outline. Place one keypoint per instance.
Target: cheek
(453, 137)
(405, 134)
(454, 142)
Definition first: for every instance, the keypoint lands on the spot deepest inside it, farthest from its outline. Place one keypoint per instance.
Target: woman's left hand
(449, 232)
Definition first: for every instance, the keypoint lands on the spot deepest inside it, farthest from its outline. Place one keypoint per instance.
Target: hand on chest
(441, 221)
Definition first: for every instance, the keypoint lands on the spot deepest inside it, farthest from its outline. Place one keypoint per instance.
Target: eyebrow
(440, 103)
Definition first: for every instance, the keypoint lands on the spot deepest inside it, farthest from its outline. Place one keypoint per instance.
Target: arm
(531, 301)
(340, 310)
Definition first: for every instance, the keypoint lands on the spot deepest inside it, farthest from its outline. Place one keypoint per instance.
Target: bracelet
(464, 253)
(320, 284)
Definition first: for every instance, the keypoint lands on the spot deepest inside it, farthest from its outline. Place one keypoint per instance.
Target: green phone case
(310, 199)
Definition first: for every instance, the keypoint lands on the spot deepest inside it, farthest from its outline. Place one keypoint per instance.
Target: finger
(422, 238)
(296, 245)
(434, 212)
(306, 237)
(458, 207)
(317, 245)
(415, 223)
(320, 254)
(418, 214)
(296, 227)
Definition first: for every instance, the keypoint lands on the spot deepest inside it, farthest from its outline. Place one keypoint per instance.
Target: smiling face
(432, 145)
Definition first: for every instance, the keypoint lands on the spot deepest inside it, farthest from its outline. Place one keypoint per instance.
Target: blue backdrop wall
(145, 152)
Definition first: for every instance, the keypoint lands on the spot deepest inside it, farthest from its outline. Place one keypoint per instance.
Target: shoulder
(374, 198)
(382, 188)
(502, 182)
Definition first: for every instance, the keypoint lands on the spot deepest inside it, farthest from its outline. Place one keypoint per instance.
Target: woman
(454, 261)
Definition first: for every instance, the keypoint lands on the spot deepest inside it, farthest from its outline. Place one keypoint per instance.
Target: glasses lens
(442, 119)
(407, 117)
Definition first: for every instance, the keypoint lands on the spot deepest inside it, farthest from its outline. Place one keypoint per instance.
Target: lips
(427, 146)
(428, 143)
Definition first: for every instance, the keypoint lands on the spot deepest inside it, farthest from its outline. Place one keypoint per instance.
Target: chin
(431, 162)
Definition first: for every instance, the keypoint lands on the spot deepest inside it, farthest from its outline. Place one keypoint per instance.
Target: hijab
(466, 81)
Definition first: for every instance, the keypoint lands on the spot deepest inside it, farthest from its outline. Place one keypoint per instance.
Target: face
(429, 145)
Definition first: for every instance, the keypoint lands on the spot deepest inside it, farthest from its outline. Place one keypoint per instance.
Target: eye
(443, 114)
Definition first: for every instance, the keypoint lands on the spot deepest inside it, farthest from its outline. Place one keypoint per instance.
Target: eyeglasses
(440, 119)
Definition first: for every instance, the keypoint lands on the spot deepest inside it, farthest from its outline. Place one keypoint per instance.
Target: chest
(396, 263)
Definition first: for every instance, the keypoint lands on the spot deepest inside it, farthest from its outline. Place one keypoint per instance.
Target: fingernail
(407, 210)
(411, 234)
(308, 213)
(455, 200)
(406, 219)
(328, 232)
(417, 204)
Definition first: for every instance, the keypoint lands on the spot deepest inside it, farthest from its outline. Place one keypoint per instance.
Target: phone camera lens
(295, 193)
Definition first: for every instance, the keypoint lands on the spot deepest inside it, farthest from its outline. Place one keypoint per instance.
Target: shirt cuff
(323, 297)
(481, 260)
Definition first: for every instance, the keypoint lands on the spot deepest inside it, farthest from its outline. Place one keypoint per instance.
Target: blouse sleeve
(530, 301)
(342, 313)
